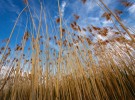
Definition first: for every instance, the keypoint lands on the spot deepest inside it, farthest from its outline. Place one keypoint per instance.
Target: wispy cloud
(11, 3)
(106, 23)
(63, 5)
(9, 6)
(132, 9)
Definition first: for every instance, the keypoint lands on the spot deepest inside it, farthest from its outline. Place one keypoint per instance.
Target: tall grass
(81, 69)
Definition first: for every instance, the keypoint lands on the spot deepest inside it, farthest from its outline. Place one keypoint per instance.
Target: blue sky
(90, 14)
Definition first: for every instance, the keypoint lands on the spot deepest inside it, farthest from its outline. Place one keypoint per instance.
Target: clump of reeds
(81, 69)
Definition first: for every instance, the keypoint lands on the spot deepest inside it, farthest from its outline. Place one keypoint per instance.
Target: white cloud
(106, 23)
(63, 5)
(90, 5)
(132, 9)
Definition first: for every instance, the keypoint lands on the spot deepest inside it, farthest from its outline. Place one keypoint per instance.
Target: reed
(80, 69)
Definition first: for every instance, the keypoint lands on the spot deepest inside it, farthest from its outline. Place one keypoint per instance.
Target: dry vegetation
(81, 69)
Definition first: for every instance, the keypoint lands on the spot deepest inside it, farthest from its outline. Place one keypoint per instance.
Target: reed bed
(80, 69)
